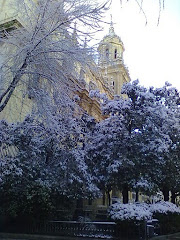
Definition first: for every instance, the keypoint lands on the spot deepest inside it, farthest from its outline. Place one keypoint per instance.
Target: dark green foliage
(28, 204)
(130, 229)
(65, 207)
(20, 208)
(169, 223)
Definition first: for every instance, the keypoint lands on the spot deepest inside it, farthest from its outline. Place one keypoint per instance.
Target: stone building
(111, 62)
(112, 74)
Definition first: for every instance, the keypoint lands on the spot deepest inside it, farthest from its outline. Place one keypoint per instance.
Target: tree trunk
(166, 194)
(125, 194)
(173, 197)
(79, 207)
(104, 198)
(109, 198)
(79, 203)
(10, 90)
(137, 196)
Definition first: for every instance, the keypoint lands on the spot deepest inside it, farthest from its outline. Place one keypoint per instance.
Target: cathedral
(112, 72)
(112, 69)
(111, 62)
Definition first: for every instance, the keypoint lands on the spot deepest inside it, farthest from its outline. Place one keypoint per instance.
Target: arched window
(115, 53)
(107, 53)
(112, 84)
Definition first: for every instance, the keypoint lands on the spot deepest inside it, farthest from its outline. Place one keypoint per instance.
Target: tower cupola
(111, 47)
(111, 62)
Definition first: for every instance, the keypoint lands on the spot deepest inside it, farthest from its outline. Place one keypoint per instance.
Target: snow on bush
(164, 207)
(130, 211)
(140, 211)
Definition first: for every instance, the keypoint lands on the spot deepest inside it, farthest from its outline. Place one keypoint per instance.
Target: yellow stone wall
(109, 76)
(111, 62)
(8, 12)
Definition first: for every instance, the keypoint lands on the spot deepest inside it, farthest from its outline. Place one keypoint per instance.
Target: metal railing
(67, 228)
(74, 228)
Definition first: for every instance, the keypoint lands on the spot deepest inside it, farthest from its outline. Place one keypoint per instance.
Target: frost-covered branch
(45, 45)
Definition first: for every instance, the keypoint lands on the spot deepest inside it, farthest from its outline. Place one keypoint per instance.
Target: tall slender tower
(111, 62)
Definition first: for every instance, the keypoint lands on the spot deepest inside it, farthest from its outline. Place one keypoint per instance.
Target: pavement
(174, 236)
(13, 236)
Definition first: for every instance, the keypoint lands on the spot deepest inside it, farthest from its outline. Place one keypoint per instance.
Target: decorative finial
(111, 29)
(75, 28)
(85, 42)
(74, 34)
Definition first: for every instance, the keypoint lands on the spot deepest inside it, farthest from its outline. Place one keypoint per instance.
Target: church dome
(111, 36)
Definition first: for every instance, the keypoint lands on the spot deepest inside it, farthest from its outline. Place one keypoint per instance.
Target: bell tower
(111, 62)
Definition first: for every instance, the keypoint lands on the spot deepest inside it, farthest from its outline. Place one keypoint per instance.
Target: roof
(111, 35)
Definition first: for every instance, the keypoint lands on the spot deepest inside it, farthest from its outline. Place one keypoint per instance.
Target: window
(107, 53)
(8, 27)
(112, 83)
(115, 53)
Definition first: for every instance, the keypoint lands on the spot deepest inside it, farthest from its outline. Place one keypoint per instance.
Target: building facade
(111, 62)
(109, 79)
(111, 75)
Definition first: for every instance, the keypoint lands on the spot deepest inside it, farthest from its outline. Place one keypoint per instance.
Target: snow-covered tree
(8, 161)
(170, 171)
(48, 160)
(42, 59)
(130, 147)
(53, 155)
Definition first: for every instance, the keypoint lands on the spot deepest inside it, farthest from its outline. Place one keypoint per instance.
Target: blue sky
(152, 51)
